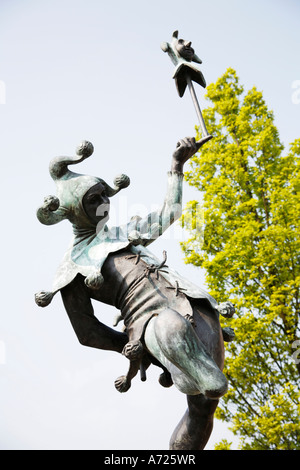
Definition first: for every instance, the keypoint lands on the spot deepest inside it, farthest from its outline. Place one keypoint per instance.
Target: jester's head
(82, 199)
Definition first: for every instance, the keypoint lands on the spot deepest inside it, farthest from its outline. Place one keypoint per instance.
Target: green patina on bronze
(169, 321)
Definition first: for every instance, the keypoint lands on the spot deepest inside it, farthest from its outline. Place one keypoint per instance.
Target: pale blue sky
(94, 70)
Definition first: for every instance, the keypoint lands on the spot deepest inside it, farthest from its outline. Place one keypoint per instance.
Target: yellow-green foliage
(250, 252)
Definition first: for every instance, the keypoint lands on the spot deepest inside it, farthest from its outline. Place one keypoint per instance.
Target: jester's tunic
(140, 289)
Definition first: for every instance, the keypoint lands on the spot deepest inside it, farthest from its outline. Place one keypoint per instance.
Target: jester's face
(96, 204)
(184, 49)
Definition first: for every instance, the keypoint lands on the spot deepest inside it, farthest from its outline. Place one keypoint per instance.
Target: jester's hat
(71, 187)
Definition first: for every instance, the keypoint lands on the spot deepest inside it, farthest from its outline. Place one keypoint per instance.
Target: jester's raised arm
(145, 230)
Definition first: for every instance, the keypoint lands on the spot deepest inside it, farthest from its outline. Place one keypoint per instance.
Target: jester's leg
(89, 330)
(195, 427)
(172, 340)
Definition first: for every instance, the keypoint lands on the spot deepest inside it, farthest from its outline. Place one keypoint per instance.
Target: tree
(249, 250)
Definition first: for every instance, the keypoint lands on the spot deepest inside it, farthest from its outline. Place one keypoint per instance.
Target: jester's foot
(226, 309)
(133, 350)
(122, 384)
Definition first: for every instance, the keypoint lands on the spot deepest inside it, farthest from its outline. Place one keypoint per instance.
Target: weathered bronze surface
(169, 321)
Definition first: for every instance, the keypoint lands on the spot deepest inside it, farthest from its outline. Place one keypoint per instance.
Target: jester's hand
(185, 149)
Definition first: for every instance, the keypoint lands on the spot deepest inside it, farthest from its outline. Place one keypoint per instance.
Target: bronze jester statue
(168, 321)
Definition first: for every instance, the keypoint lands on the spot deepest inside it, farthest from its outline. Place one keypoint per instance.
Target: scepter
(182, 54)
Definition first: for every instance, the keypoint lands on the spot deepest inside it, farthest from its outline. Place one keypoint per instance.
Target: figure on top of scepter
(182, 54)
